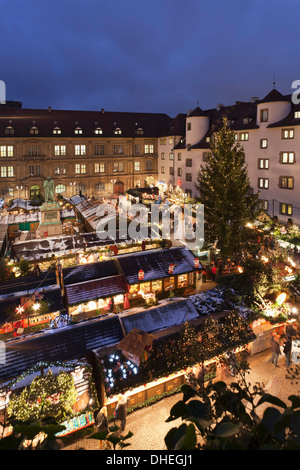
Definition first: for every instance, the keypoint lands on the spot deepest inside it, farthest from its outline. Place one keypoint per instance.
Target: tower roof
(272, 96)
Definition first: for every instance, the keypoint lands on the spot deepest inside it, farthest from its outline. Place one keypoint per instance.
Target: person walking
(287, 349)
(121, 410)
(275, 349)
(101, 423)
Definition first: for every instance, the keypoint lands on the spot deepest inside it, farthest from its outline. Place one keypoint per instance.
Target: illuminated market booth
(29, 301)
(166, 347)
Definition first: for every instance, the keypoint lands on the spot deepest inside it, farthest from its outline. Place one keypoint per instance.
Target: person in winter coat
(121, 410)
(275, 349)
(287, 349)
(101, 423)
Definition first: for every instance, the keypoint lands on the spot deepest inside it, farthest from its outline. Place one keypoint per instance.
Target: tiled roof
(22, 120)
(156, 265)
(65, 344)
(272, 96)
(92, 290)
(27, 283)
(89, 272)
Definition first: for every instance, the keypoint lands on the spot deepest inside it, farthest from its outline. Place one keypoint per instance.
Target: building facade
(269, 132)
(80, 150)
(90, 151)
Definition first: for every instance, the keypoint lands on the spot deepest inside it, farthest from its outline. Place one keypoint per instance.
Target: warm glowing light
(292, 262)
(240, 269)
(20, 309)
(281, 298)
(36, 306)
(288, 269)
(264, 259)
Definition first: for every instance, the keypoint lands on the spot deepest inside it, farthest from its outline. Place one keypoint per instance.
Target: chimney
(254, 99)
(49, 109)
(102, 110)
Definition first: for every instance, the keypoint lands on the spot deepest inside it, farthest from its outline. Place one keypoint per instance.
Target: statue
(49, 190)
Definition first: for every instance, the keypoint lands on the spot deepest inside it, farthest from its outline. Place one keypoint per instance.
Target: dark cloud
(159, 55)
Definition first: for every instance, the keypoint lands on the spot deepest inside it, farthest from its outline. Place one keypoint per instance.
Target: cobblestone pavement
(148, 424)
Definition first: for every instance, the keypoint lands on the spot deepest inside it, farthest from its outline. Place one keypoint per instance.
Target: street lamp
(19, 188)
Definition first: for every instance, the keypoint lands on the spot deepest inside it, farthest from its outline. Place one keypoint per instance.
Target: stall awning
(156, 264)
(93, 290)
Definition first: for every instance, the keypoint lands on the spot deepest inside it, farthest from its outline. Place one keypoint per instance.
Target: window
(7, 192)
(287, 133)
(34, 130)
(247, 120)
(6, 151)
(137, 166)
(139, 131)
(61, 170)
(171, 156)
(118, 149)
(179, 157)
(9, 130)
(136, 149)
(100, 187)
(117, 131)
(7, 172)
(99, 168)
(189, 126)
(99, 149)
(34, 150)
(287, 157)
(263, 183)
(188, 177)
(163, 141)
(263, 143)
(286, 182)
(118, 167)
(149, 165)
(170, 140)
(263, 163)
(264, 115)
(162, 170)
(98, 131)
(57, 131)
(80, 168)
(244, 136)
(188, 162)
(38, 170)
(149, 148)
(80, 149)
(31, 170)
(34, 170)
(179, 171)
(60, 188)
(78, 131)
(205, 156)
(171, 170)
(286, 209)
(264, 204)
(163, 156)
(297, 115)
(60, 150)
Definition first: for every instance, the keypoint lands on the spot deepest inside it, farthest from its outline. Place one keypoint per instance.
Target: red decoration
(171, 268)
(196, 263)
(141, 275)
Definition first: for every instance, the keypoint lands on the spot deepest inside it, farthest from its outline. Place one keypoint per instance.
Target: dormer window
(247, 120)
(34, 130)
(98, 131)
(297, 115)
(139, 131)
(9, 130)
(78, 131)
(117, 131)
(57, 131)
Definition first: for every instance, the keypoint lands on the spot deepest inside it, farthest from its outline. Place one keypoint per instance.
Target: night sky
(148, 56)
